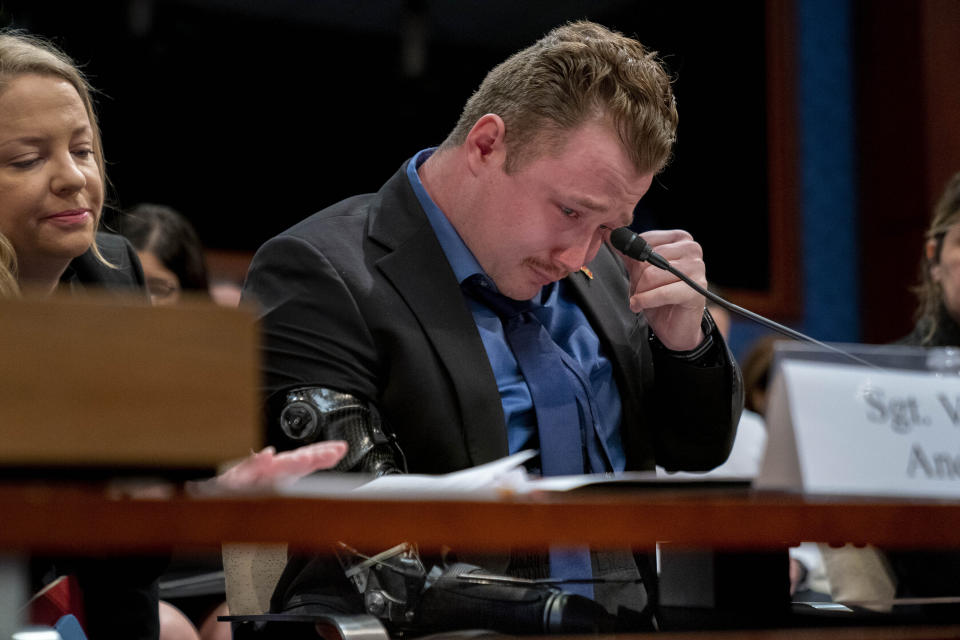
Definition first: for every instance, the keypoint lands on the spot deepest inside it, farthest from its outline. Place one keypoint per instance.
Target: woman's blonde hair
(945, 215)
(8, 270)
(23, 53)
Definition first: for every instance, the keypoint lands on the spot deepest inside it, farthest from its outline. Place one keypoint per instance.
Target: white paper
(493, 480)
(504, 475)
(485, 481)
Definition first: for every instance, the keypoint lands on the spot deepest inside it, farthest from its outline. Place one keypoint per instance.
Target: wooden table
(78, 518)
(73, 517)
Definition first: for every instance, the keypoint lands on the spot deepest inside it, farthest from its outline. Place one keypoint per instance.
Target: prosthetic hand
(396, 589)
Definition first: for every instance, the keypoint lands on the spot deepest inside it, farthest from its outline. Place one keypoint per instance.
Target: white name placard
(845, 429)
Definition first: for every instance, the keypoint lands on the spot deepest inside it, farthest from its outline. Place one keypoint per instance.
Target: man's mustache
(554, 271)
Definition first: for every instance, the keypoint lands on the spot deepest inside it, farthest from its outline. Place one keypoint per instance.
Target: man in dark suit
(368, 306)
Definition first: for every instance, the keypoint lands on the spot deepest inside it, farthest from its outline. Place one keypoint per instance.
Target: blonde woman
(52, 184)
(52, 175)
(938, 312)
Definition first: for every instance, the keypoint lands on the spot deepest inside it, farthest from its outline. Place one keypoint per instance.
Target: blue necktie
(553, 389)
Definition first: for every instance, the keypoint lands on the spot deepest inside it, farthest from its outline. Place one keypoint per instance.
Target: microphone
(634, 246)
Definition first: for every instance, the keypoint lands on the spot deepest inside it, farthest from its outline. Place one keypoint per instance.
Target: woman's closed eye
(26, 163)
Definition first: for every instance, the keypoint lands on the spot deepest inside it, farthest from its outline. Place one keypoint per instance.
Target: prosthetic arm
(395, 586)
(311, 414)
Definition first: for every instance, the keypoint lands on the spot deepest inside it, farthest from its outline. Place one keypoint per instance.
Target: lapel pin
(587, 272)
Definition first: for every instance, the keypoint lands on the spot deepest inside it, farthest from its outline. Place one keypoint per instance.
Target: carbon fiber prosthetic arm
(311, 414)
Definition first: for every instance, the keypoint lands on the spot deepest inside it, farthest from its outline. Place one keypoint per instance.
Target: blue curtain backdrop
(828, 202)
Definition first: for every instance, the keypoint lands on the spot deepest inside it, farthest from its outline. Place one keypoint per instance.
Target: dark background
(248, 116)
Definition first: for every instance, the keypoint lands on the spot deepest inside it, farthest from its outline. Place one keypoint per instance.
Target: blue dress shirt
(569, 328)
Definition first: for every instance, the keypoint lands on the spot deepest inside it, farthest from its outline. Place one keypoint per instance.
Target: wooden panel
(940, 24)
(908, 143)
(229, 266)
(78, 519)
(783, 299)
(95, 382)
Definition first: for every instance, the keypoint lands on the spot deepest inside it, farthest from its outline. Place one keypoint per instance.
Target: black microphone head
(629, 243)
(621, 238)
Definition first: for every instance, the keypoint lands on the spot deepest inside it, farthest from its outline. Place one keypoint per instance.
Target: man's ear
(485, 144)
(932, 263)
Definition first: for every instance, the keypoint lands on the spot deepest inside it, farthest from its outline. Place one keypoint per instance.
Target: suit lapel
(417, 267)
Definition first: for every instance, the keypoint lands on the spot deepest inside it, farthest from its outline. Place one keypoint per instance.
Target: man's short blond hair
(579, 72)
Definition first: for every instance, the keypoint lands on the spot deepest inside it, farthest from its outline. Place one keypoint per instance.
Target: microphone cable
(632, 245)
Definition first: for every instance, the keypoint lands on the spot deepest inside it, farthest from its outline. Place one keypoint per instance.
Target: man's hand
(672, 308)
(268, 466)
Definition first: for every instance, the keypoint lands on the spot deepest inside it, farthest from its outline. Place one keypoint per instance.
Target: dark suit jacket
(360, 298)
(87, 272)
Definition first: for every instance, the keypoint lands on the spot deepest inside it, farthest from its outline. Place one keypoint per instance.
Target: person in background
(756, 373)
(51, 199)
(52, 183)
(874, 575)
(52, 177)
(169, 250)
(935, 573)
(173, 264)
(938, 312)
(808, 577)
